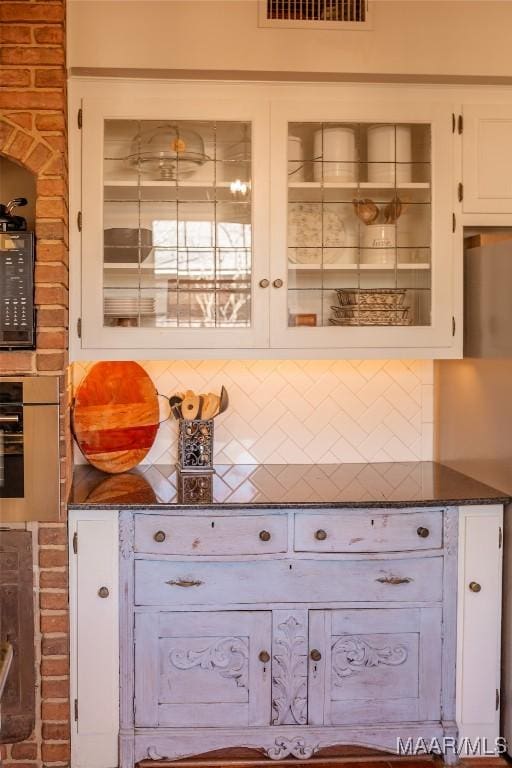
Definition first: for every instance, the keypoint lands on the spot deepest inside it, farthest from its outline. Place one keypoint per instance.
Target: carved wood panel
(289, 667)
(383, 666)
(193, 666)
(202, 668)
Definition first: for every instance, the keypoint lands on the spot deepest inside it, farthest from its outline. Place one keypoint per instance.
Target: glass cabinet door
(172, 241)
(177, 224)
(358, 236)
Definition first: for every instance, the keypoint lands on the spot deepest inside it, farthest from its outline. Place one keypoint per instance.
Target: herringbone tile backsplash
(301, 412)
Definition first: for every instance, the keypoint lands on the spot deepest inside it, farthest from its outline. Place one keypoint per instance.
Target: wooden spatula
(210, 406)
(190, 405)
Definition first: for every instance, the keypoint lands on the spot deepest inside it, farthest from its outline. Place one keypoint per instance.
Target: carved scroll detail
(297, 747)
(126, 535)
(152, 754)
(352, 654)
(289, 674)
(229, 657)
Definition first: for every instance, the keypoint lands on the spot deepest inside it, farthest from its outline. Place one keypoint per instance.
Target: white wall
(418, 37)
(474, 418)
(303, 411)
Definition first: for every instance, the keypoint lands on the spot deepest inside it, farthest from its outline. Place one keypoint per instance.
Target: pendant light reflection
(239, 188)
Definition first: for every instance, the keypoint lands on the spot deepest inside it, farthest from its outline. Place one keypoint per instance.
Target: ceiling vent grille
(321, 14)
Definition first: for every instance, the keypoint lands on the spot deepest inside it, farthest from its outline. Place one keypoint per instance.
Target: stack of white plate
(128, 306)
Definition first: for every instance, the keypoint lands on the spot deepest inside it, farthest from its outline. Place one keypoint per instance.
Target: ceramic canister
(389, 145)
(379, 242)
(335, 145)
(295, 159)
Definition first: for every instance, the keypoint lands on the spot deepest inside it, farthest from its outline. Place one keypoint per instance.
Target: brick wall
(33, 134)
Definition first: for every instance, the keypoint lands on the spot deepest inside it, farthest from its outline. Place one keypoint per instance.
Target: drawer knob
(103, 592)
(159, 536)
(320, 535)
(475, 586)
(265, 535)
(264, 656)
(423, 532)
(315, 655)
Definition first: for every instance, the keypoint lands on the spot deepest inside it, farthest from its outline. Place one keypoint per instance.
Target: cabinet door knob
(265, 535)
(264, 283)
(423, 532)
(315, 655)
(159, 536)
(264, 657)
(475, 586)
(278, 283)
(320, 535)
(103, 592)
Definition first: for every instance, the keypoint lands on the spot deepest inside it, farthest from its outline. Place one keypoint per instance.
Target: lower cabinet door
(370, 666)
(203, 669)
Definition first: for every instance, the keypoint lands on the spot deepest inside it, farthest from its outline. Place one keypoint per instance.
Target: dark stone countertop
(396, 484)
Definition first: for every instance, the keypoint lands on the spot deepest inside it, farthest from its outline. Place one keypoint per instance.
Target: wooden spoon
(393, 211)
(366, 210)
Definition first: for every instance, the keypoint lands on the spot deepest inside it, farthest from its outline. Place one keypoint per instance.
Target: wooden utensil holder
(195, 446)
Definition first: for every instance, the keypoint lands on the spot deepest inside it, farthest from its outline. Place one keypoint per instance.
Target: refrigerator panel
(488, 296)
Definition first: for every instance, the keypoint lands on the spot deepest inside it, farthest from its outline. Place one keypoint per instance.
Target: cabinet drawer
(368, 532)
(176, 535)
(220, 583)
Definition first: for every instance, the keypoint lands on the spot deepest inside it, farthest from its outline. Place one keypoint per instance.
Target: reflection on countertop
(396, 484)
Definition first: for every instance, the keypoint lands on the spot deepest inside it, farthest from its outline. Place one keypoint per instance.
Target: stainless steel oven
(29, 448)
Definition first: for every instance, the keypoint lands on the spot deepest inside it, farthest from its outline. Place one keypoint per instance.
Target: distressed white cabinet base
(324, 665)
(292, 651)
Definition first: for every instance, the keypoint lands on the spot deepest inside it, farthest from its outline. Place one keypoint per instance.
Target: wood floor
(364, 761)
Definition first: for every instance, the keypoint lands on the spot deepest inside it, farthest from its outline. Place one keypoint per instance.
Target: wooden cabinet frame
(269, 336)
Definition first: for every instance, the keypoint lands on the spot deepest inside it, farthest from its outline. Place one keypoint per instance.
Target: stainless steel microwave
(29, 448)
(17, 313)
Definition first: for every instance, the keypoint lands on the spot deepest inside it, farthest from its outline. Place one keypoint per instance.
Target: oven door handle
(14, 419)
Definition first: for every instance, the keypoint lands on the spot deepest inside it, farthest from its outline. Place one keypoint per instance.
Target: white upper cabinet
(362, 226)
(487, 158)
(175, 223)
(257, 220)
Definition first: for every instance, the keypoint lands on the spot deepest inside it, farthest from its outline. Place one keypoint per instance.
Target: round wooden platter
(122, 487)
(115, 415)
